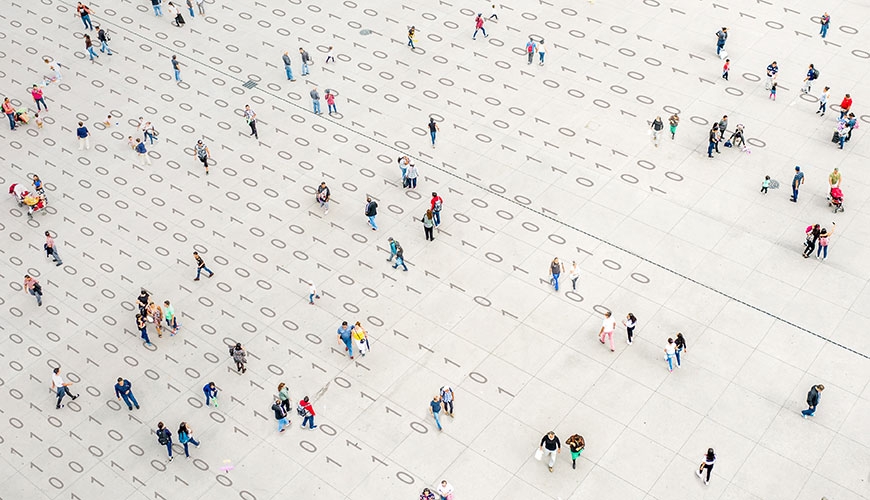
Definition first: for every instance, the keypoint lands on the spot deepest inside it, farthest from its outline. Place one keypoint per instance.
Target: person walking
(211, 393)
(835, 178)
(796, 183)
(315, 101)
(142, 153)
(825, 21)
(725, 69)
(51, 249)
(85, 13)
(845, 105)
(123, 389)
(83, 136)
(608, 324)
(765, 184)
(284, 396)
(772, 91)
(428, 225)
(200, 6)
(435, 411)
(394, 246)
(576, 444)
(142, 325)
(551, 446)
(158, 9)
(494, 12)
(344, 337)
(824, 237)
(329, 97)
(478, 26)
(175, 12)
(306, 60)
(709, 461)
(322, 197)
(721, 37)
(673, 121)
(433, 129)
(400, 258)
(435, 205)
(411, 174)
(169, 316)
(404, 162)
(200, 267)
(306, 411)
(574, 275)
(202, 153)
(556, 269)
(542, 50)
(190, 8)
(38, 97)
(656, 126)
(251, 120)
(670, 349)
(9, 111)
(813, 398)
(531, 48)
(629, 322)
(61, 387)
(329, 56)
(280, 415)
(812, 75)
(681, 346)
(240, 356)
(371, 212)
(312, 294)
(288, 70)
(445, 490)
(164, 437)
(447, 398)
(185, 437)
(412, 34)
(176, 65)
(103, 37)
(361, 337)
(32, 286)
(772, 70)
(823, 101)
(149, 133)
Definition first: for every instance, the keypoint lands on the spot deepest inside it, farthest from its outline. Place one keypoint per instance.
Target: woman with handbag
(576, 443)
(360, 336)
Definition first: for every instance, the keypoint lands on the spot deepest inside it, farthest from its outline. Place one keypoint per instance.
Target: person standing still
(51, 249)
(772, 70)
(681, 346)
(796, 183)
(825, 21)
(329, 97)
(202, 153)
(164, 437)
(371, 211)
(845, 105)
(315, 101)
(551, 446)
(823, 101)
(435, 410)
(721, 37)
(447, 398)
(435, 205)
(556, 269)
(83, 136)
(251, 120)
(813, 398)
(123, 389)
(411, 174)
(322, 197)
(726, 68)
(38, 97)
(306, 59)
(714, 140)
(812, 74)
(176, 68)
(657, 126)
(32, 286)
(61, 388)
(433, 128)
(673, 121)
(200, 267)
(287, 69)
(211, 393)
(312, 294)
(240, 357)
(709, 461)
(629, 322)
(9, 111)
(607, 327)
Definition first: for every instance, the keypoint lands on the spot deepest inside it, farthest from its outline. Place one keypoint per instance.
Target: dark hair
(159, 425)
(56, 370)
(305, 399)
(631, 316)
(679, 335)
(670, 340)
(120, 379)
(182, 427)
(710, 454)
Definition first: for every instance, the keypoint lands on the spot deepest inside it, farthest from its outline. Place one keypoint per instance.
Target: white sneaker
(698, 473)
(326, 211)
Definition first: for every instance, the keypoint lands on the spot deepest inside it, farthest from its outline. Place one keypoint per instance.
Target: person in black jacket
(103, 37)
(553, 446)
(813, 398)
(371, 212)
(280, 415)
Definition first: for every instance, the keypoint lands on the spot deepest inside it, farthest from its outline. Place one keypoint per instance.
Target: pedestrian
(796, 183)
(674, 120)
(83, 136)
(670, 349)
(200, 6)
(629, 322)
(823, 101)
(737, 137)
(61, 387)
(329, 97)
(714, 140)
(371, 212)
(190, 8)
(344, 337)
(306, 411)
(103, 37)
(445, 490)
(574, 275)
(185, 437)
(576, 444)
(240, 356)
(433, 128)
(435, 410)
(169, 315)
(765, 184)
(32, 286)
(812, 74)
(287, 69)
(823, 242)
(149, 132)
(40, 188)
(53, 66)
(447, 398)
(772, 70)
(427, 495)
(200, 267)
(280, 415)
(411, 175)
(656, 127)
(158, 10)
(176, 13)
(211, 393)
(306, 60)
(608, 324)
(435, 205)
(89, 47)
(845, 105)
(681, 346)
(323, 194)
(404, 161)
(772, 92)
(38, 97)
(143, 300)
(394, 245)
(312, 294)
(721, 36)
(202, 153)
(361, 337)
(315, 101)
(531, 48)
(329, 56)
(813, 233)
(176, 65)
(85, 13)
(164, 437)
(284, 396)
(494, 12)
(551, 446)
(142, 153)
(9, 111)
(556, 269)
(428, 225)
(412, 33)
(541, 51)
(51, 249)
(478, 26)
(400, 258)
(123, 389)
(709, 461)
(251, 120)
(726, 68)
(813, 398)
(835, 178)
(155, 315)
(723, 125)
(142, 325)
(825, 21)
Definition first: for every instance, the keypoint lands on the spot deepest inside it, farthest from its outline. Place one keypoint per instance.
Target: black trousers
(428, 232)
(630, 331)
(253, 124)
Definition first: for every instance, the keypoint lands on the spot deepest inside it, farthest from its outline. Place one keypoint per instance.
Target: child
(108, 121)
(131, 142)
(38, 120)
(726, 68)
(773, 91)
(765, 184)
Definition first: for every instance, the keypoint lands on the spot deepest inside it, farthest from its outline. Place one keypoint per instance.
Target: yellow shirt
(358, 333)
(834, 178)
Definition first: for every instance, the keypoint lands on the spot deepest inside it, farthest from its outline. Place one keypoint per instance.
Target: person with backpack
(721, 36)
(306, 411)
(123, 389)
(211, 393)
(164, 437)
(824, 235)
(202, 153)
(185, 437)
(531, 48)
(435, 205)
(103, 37)
(812, 74)
(400, 258)
(280, 415)
(32, 286)
(240, 356)
(813, 398)
(371, 212)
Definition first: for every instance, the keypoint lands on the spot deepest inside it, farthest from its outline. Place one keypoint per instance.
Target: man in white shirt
(61, 387)
(312, 294)
(607, 327)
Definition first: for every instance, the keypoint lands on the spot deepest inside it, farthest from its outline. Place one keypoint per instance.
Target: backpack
(162, 438)
(530, 48)
(183, 437)
(301, 411)
(437, 206)
(815, 74)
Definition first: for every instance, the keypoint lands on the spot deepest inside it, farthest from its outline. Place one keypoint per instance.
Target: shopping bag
(539, 454)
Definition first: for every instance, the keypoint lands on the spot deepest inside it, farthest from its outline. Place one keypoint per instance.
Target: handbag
(539, 454)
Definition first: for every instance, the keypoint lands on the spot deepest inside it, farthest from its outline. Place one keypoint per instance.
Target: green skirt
(575, 454)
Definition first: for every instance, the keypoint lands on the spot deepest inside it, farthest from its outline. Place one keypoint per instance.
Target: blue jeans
(201, 269)
(158, 11)
(432, 135)
(190, 9)
(437, 415)
(310, 420)
(37, 295)
(677, 353)
(436, 216)
(149, 136)
(172, 323)
(842, 140)
(144, 334)
(710, 149)
(670, 362)
(349, 344)
(372, 221)
(400, 262)
(178, 75)
(410, 42)
(130, 399)
(61, 392)
(282, 423)
(541, 55)
(316, 104)
(192, 441)
(556, 280)
(824, 31)
(331, 108)
(819, 251)
(811, 411)
(40, 103)
(719, 47)
(475, 32)
(91, 53)
(289, 71)
(209, 396)
(169, 448)
(105, 47)
(11, 117)
(86, 19)
(304, 69)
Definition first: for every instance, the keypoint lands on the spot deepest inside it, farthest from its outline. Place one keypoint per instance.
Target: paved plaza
(533, 161)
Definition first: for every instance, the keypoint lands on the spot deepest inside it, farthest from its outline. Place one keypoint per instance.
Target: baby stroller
(19, 192)
(34, 204)
(836, 199)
